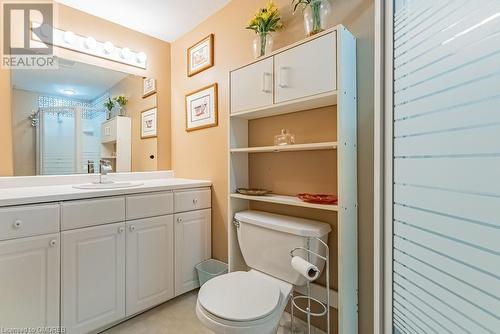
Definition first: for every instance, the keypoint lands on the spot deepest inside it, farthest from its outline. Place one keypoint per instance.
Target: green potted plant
(265, 21)
(109, 105)
(315, 14)
(122, 102)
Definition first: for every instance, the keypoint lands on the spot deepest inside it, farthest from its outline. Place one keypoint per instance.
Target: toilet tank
(266, 240)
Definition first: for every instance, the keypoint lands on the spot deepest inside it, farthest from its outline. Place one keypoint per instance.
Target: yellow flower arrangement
(266, 19)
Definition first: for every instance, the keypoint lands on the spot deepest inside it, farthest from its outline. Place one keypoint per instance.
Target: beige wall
(158, 52)
(6, 159)
(203, 154)
(142, 149)
(24, 135)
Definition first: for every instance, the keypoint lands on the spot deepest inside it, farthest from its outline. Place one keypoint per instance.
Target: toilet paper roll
(306, 269)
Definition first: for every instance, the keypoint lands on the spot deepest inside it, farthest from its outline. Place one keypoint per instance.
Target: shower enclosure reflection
(68, 138)
(57, 116)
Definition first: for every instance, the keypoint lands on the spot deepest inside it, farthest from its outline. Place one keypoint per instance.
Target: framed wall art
(202, 108)
(148, 87)
(200, 56)
(148, 123)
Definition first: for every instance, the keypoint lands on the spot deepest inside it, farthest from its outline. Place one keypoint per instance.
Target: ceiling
(88, 82)
(163, 19)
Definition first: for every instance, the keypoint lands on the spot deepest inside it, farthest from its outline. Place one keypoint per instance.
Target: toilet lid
(239, 296)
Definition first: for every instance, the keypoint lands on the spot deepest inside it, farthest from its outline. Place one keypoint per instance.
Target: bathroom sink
(112, 185)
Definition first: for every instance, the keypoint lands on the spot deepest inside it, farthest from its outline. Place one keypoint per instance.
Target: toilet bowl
(243, 303)
(252, 302)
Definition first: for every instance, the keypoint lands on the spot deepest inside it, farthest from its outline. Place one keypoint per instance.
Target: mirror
(64, 123)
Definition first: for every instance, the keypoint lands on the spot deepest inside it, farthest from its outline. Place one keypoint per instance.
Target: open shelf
(332, 145)
(286, 200)
(307, 103)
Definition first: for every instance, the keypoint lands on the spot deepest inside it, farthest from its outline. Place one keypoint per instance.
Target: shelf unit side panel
(347, 184)
(238, 177)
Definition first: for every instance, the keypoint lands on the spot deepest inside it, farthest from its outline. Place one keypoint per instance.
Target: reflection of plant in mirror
(121, 100)
(109, 104)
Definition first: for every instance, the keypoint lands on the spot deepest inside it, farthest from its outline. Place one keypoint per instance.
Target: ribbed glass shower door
(57, 141)
(446, 167)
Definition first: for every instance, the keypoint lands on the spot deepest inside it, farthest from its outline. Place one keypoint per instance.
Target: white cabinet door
(150, 262)
(93, 277)
(252, 86)
(29, 282)
(109, 130)
(307, 69)
(192, 245)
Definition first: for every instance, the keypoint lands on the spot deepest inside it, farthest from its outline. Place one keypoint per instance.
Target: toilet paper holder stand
(325, 309)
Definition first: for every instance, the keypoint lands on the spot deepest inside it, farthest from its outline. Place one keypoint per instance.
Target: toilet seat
(240, 297)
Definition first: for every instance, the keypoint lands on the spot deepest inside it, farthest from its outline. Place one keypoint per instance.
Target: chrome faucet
(90, 167)
(105, 168)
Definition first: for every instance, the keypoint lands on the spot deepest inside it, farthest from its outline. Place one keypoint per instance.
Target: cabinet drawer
(76, 214)
(150, 205)
(28, 220)
(192, 200)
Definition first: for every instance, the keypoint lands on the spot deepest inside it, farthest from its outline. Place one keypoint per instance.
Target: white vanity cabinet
(150, 263)
(192, 245)
(90, 263)
(92, 277)
(252, 86)
(29, 282)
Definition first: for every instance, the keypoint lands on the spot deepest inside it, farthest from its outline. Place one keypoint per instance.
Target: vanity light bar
(89, 45)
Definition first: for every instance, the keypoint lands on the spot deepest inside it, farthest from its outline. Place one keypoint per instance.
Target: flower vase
(315, 16)
(262, 44)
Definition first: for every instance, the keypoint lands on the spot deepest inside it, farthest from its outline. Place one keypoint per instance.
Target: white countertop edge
(58, 180)
(56, 193)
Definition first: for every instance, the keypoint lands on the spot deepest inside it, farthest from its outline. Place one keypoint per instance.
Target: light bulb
(69, 37)
(125, 53)
(109, 47)
(141, 57)
(90, 43)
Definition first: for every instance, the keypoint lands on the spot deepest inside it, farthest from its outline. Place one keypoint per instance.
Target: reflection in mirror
(64, 123)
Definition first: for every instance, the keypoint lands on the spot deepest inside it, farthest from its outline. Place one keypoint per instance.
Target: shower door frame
(383, 166)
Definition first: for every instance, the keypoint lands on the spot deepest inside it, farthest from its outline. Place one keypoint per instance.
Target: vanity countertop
(63, 192)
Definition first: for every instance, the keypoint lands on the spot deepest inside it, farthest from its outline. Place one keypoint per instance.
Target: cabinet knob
(195, 201)
(132, 228)
(17, 224)
(179, 220)
(121, 229)
(53, 243)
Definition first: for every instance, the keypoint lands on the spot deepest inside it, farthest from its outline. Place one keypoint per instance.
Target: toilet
(253, 301)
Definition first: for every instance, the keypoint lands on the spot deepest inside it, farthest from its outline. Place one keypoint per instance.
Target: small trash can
(209, 269)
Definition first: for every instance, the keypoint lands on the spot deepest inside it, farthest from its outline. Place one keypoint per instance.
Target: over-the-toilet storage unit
(316, 72)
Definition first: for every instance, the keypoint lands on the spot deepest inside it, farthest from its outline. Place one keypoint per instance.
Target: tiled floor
(177, 316)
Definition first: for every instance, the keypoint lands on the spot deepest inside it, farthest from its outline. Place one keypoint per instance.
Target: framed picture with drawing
(200, 56)
(148, 123)
(201, 108)
(148, 87)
